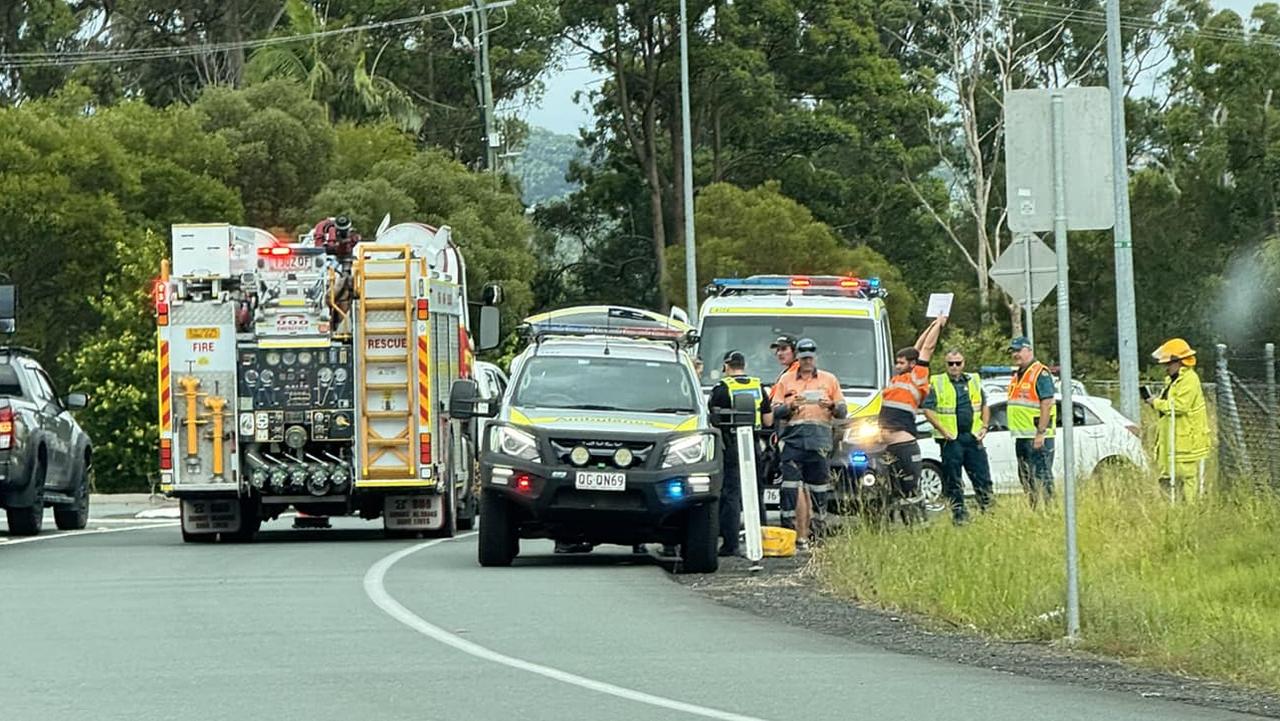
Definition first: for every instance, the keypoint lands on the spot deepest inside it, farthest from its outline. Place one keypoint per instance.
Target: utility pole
(690, 245)
(484, 83)
(1126, 298)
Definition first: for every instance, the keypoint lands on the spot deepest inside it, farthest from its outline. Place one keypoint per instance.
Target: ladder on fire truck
(384, 326)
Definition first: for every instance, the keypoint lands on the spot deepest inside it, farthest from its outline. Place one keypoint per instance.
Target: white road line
(72, 534)
(134, 521)
(375, 589)
(167, 512)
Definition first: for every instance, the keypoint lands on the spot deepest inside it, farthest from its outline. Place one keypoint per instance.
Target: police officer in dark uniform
(734, 382)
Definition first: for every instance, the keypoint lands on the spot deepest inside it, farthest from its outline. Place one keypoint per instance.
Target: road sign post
(1064, 363)
(1079, 192)
(1028, 306)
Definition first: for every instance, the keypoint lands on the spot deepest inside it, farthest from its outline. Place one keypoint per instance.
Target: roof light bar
(572, 329)
(867, 287)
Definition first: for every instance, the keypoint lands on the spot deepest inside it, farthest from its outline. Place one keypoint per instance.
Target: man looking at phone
(808, 400)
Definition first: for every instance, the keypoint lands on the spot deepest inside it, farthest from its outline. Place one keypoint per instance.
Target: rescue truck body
(314, 375)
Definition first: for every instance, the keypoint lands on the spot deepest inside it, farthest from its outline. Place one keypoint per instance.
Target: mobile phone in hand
(1145, 391)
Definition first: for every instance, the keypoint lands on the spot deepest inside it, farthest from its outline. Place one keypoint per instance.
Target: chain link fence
(1247, 422)
(1240, 391)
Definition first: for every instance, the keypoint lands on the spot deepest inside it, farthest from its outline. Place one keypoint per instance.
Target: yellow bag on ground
(778, 542)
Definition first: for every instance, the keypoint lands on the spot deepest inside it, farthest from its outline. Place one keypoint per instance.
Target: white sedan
(1102, 437)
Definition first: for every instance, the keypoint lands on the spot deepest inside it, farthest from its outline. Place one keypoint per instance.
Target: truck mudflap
(210, 515)
(419, 512)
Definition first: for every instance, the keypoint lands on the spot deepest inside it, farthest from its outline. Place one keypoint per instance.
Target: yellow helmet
(1175, 349)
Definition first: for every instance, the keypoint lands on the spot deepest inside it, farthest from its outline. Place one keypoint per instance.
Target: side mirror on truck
(492, 294)
(76, 401)
(490, 327)
(465, 402)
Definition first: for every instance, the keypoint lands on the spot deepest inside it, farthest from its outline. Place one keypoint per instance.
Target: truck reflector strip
(162, 357)
(424, 384)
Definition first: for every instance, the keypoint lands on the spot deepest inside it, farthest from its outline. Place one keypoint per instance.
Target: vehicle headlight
(864, 433)
(513, 442)
(689, 450)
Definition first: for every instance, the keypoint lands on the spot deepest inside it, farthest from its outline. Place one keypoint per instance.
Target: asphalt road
(124, 622)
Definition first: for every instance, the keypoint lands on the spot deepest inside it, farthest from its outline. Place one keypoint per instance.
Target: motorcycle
(868, 481)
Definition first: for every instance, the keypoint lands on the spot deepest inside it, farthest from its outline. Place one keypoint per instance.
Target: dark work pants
(731, 500)
(1035, 469)
(807, 469)
(965, 455)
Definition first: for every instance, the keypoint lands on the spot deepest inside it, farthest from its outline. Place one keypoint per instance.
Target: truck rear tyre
(467, 517)
(29, 520)
(701, 534)
(499, 543)
(25, 521)
(75, 516)
(250, 521)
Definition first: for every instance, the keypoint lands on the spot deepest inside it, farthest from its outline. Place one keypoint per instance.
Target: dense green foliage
(88, 199)
(829, 136)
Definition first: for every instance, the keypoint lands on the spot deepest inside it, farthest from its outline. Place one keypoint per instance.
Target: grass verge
(1193, 589)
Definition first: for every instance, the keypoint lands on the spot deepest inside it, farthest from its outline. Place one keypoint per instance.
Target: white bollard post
(750, 497)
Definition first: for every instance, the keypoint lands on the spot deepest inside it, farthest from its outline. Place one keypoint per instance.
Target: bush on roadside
(1189, 588)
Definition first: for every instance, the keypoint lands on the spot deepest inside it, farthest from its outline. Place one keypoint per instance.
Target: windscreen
(614, 384)
(846, 346)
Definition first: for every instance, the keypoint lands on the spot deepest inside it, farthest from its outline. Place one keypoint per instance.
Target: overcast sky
(557, 112)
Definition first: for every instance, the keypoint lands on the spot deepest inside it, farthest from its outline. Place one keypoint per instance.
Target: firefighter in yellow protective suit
(1182, 444)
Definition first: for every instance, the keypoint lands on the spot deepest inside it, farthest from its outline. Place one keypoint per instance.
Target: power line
(86, 57)
(1098, 18)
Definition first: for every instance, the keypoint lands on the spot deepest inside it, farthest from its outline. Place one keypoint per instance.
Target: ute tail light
(6, 429)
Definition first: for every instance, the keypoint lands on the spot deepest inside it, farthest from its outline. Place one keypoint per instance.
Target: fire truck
(314, 373)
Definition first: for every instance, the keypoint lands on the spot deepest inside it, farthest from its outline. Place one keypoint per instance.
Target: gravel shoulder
(787, 591)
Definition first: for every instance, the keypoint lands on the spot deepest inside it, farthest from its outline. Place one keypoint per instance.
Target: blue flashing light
(989, 371)
(672, 490)
(873, 282)
(775, 282)
(858, 461)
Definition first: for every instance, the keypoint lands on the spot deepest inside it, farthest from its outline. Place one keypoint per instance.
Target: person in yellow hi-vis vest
(1182, 445)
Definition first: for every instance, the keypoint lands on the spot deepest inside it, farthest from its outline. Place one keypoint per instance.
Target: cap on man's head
(806, 348)
(784, 340)
(1019, 343)
(735, 359)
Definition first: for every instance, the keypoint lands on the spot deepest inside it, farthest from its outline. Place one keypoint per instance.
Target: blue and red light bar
(668, 334)
(870, 286)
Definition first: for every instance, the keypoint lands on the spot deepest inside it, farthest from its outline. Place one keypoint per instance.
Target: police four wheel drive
(602, 437)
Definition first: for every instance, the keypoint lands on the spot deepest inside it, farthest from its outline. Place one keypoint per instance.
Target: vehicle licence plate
(600, 481)
(772, 496)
